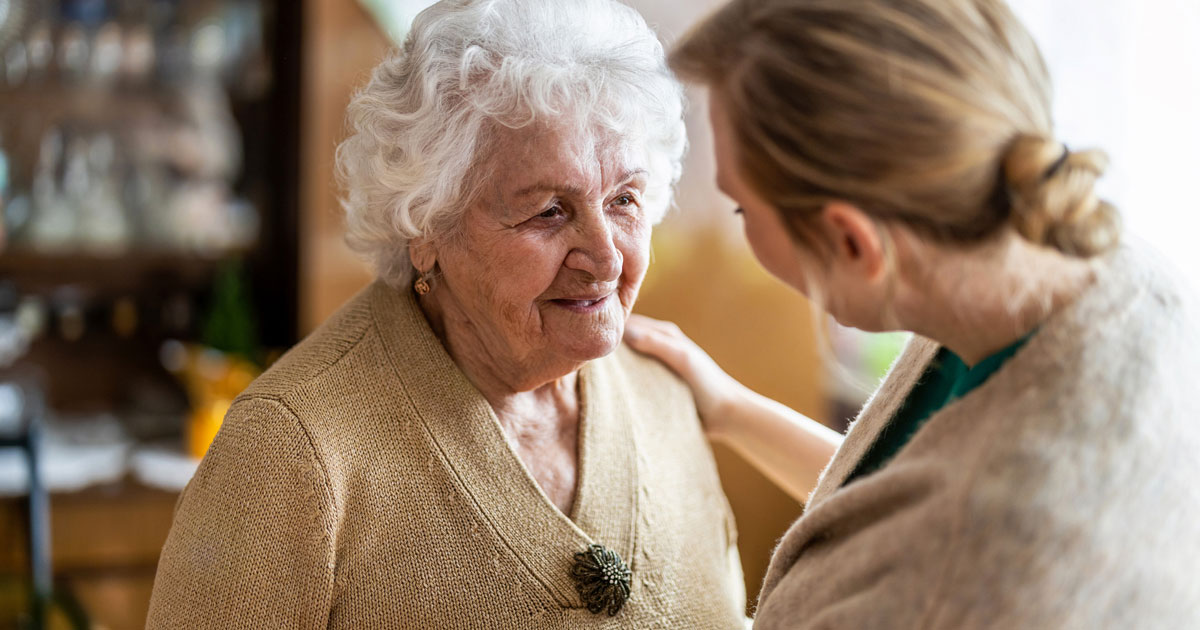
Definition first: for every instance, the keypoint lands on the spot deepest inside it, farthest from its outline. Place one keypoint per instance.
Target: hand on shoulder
(711, 387)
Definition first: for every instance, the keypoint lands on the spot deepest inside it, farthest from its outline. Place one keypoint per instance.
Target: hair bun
(1053, 200)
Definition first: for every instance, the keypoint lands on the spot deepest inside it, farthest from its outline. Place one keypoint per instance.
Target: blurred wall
(702, 276)
(341, 45)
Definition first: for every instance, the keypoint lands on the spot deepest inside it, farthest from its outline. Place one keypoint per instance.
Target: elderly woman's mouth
(583, 304)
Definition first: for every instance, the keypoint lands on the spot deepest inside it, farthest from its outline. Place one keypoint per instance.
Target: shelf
(129, 271)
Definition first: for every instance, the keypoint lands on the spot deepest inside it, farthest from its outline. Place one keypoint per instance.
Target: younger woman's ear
(422, 254)
(857, 243)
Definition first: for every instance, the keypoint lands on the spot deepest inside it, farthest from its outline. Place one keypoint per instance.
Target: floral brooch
(602, 579)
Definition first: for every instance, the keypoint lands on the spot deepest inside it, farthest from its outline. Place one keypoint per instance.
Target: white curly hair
(417, 151)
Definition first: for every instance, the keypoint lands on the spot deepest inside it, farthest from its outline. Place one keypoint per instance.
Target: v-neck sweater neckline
(478, 452)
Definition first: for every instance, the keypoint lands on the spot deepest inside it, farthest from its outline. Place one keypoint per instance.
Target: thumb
(652, 342)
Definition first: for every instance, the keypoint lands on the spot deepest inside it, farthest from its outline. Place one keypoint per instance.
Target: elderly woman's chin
(581, 330)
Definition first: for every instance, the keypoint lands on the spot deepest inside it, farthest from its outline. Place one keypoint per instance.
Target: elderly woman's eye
(623, 200)
(551, 212)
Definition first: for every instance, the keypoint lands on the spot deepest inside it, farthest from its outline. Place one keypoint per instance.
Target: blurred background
(170, 226)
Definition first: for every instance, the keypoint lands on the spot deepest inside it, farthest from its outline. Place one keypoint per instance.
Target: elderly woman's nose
(596, 251)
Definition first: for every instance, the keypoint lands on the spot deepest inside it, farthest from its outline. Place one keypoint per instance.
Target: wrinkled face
(548, 261)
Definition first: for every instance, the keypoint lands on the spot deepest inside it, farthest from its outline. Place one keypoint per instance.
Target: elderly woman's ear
(423, 254)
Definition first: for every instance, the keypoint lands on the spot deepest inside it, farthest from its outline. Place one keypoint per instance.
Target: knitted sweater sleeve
(252, 544)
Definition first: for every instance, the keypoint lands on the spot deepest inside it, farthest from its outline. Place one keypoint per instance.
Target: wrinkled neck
(517, 388)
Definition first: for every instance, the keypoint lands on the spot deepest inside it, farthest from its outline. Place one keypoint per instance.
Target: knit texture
(1062, 493)
(363, 482)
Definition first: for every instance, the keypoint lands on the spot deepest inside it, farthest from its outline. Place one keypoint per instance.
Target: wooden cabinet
(105, 543)
(341, 46)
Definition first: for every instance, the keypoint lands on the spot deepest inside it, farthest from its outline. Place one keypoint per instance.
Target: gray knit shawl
(1062, 493)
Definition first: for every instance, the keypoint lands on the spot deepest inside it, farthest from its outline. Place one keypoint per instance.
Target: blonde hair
(934, 113)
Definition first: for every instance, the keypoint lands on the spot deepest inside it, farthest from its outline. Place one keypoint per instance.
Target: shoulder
(262, 453)
(1139, 294)
(1084, 474)
(317, 353)
(1129, 346)
(659, 403)
(338, 376)
(646, 375)
(333, 392)
(1094, 415)
(254, 525)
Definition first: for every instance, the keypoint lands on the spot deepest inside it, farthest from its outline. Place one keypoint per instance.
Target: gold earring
(421, 286)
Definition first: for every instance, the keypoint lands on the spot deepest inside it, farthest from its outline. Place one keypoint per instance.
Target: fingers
(641, 323)
(660, 342)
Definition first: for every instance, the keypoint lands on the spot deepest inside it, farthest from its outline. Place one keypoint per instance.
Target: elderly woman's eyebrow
(630, 175)
(574, 189)
(560, 187)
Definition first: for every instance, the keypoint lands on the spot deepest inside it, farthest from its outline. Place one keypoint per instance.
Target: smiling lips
(583, 305)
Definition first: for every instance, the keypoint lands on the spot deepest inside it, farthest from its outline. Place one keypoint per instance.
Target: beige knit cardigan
(1063, 493)
(362, 482)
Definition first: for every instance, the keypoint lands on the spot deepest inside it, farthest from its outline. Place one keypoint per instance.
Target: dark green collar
(946, 379)
(966, 379)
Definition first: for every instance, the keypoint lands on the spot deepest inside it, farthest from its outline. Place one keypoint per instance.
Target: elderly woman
(465, 444)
